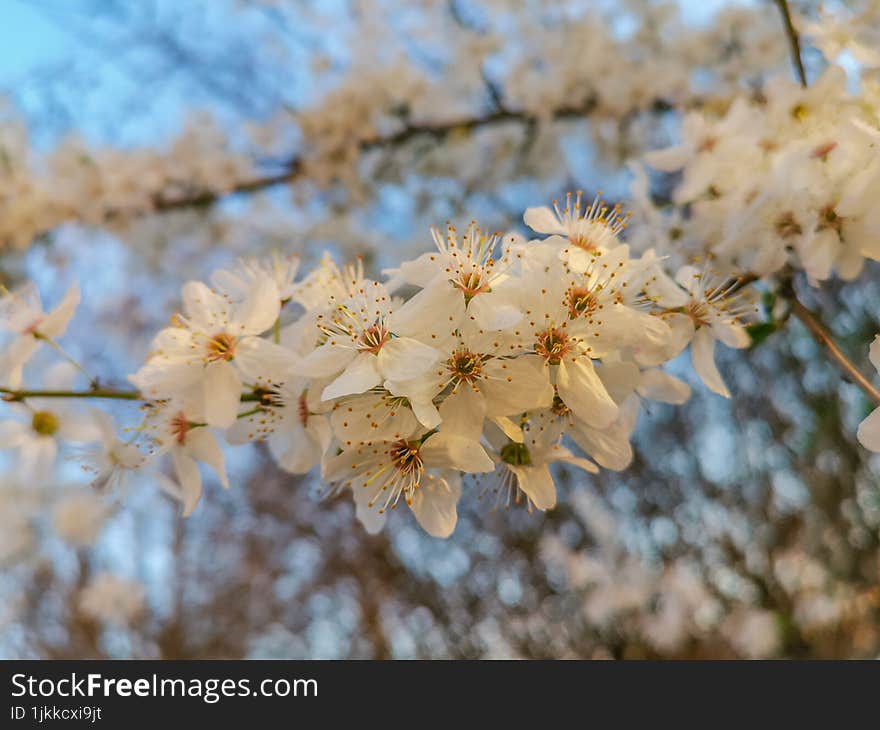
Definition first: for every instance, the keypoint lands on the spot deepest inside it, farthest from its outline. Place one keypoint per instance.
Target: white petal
(259, 311)
(57, 320)
(188, 477)
(260, 360)
(874, 352)
(404, 359)
(463, 413)
(222, 393)
(324, 361)
(206, 309)
(361, 375)
(516, 386)
(537, 483)
(703, 359)
(434, 504)
(489, 312)
(450, 451)
(510, 429)
(869, 431)
(543, 220)
(658, 385)
(436, 310)
(200, 442)
(582, 390)
(732, 335)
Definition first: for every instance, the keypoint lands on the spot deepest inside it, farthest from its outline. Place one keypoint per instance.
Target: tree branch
(294, 168)
(14, 396)
(823, 336)
(793, 41)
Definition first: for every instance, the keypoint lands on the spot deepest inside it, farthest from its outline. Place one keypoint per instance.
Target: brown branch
(295, 168)
(794, 41)
(823, 336)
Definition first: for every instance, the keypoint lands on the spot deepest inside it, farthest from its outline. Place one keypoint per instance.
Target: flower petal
(703, 359)
(869, 431)
(361, 374)
(450, 451)
(403, 359)
(222, 393)
(434, 504)
(583, 391)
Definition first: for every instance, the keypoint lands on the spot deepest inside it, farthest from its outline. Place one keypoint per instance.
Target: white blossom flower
(22, 315)
(420, 470)
(461, 272)
(716, 310)
(367, 343)
(176, 427)
(595, 229)
(215, 348)
(522, 471)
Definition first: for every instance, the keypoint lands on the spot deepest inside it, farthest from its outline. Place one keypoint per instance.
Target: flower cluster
(485, 357)
(786, 178)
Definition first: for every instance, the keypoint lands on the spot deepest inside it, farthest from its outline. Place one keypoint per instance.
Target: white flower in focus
(462, 277)
(214, 349)
(422, 471)
(292, 420)
(522, 471)
(869, 429)
(177, 428)
(112, 600)
(370, 343)
(716, 310)
(22, 315)
(588, 232)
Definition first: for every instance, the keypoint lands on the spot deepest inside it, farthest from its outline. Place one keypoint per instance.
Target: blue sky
(27, 39)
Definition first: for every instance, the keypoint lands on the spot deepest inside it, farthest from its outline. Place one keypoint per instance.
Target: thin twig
(823, 336)
(12, 395)
(794, 41)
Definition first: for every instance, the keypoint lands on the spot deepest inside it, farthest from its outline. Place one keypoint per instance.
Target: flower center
(405, 457)
(472, 284)
(465, 365)
(179, 428)
(583, 241)
(698, 311)
(516, 454)
(33, 327)
(552, 344)
(221, 347)
(581, 302)
(45, 423)
(372, 339)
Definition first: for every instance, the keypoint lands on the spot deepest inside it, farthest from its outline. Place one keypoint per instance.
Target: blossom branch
(823, 336)
(294, 169)
(793, 40)
(14, 396)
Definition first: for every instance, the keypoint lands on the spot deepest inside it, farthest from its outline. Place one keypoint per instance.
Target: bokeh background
(744, 528)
